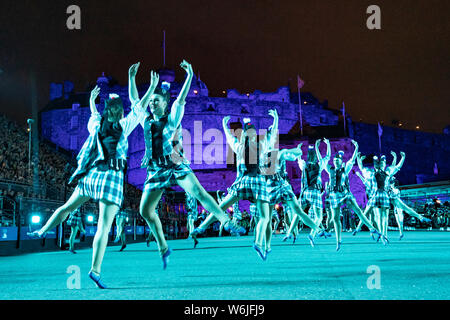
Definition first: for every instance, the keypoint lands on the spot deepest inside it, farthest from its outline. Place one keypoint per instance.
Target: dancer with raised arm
(250, 184)
(100, 172)
(311, 193)
(339, 192)
(370, 190)
(280, 188)
(164, 159)
(394, 196)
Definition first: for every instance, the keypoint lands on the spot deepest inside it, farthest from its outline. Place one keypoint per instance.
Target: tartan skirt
(74, 221)
(311, 197)
(250, 188)
(380, 199)
(280, 190)
(102, 185)
(337, 199)
(163, 177)
(394, 194)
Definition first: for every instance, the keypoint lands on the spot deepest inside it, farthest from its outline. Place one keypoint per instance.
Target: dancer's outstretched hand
(154, 79)
(355, 143)
(225, 120)
(326, 141)
(402, 154)
(273, 113)
(94, 93)
(133, 70)
(187, 67)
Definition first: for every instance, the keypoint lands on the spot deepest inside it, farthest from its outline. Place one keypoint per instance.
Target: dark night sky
(399, 72)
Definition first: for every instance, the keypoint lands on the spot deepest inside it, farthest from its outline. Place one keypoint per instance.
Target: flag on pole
(435, 170)
(300, 84)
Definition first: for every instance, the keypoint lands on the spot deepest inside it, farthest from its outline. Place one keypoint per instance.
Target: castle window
(322, 119)
(74, 122)
(73, 142)
(244, 108)
(210, 106)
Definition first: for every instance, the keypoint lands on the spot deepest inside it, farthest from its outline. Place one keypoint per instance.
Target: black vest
(380, 177)
(338, 180)
(109, 136)
(252, 168)
(312, 174)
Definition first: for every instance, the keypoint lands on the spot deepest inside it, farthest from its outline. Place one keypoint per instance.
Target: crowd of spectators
(438, 213)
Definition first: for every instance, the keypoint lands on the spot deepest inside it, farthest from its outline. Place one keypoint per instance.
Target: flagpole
(300, 105)
(343, 114)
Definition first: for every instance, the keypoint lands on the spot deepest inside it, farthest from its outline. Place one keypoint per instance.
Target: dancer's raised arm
(132, 90)
(291, 154)
(364, 170)
(272, 136)
(94, 120)
(351, 162)
(177, 111)
(231, 139)
(397, 168)
(154, 79)
(94, 95)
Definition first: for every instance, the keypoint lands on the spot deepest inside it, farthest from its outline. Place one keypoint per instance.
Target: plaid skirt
(163, 177)
(280, 190)
(311, 197)
(250, 188)
(74, 221)
(380, 199)
(337, 199)
(102, 185)
(394, 194)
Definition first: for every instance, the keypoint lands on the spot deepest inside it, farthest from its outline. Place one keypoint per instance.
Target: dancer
(75, 222)
(254, 216)
(237, 214)
(275, 217)
(292, 229)
(121, 220)
(398, 212)
(164, 158)
(192, 211)
(311, 194)
(370, 190)
(99, 174)
(394, 195)
(339, 192)
(281, 190)
(250, 184)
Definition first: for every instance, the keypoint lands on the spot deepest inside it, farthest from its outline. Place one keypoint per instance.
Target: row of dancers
(261, 172)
